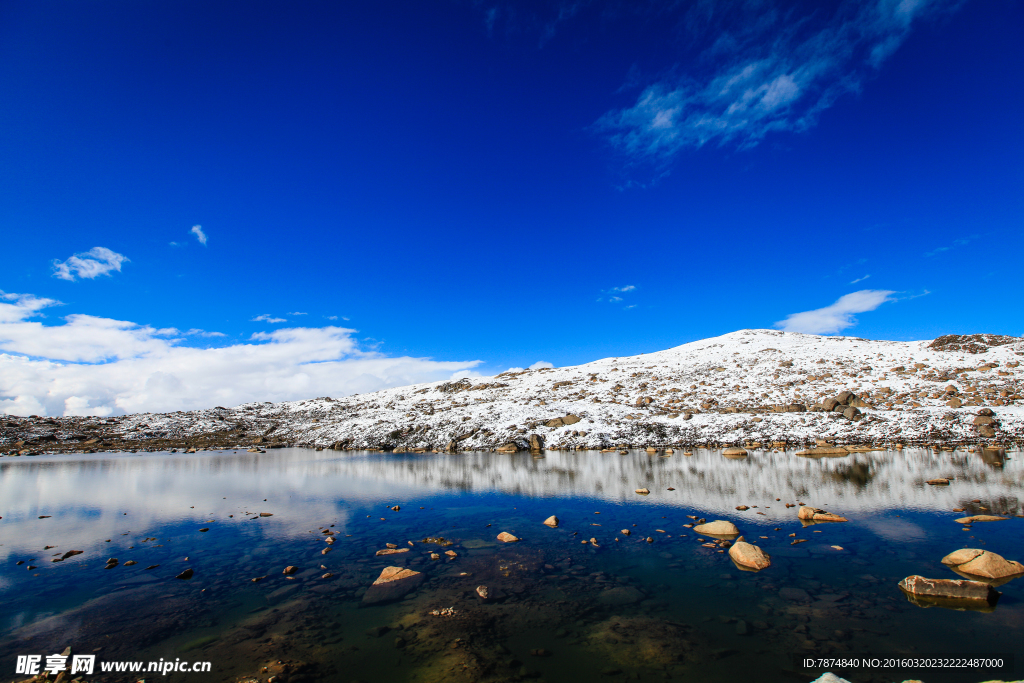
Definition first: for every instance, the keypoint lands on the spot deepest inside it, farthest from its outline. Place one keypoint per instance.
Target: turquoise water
(625, 609)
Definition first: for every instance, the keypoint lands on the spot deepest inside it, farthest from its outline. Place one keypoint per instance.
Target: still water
(561, 608)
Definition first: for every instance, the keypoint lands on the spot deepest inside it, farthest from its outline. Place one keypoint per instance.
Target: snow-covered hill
(747, 386)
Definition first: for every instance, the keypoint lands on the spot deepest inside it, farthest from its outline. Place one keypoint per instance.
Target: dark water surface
(628, 609)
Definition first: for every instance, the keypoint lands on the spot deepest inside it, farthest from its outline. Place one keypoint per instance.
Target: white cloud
(614, 299)
(769, 71)
(838, 316)
(541, 364)
(956, 243)
(267, 318)
(99, 366)
(91, 264)
(197, 230)
(860, 279)
(203, 333)
(627, 288)
(298, 313)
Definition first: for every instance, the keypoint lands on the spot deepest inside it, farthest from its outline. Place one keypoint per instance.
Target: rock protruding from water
(823, 452)
(734, 452)
(506, 537)
(809, 514)
(719, 527)
(950, 589)
(392, 584)
(749, 556)
(979, 518)
(643, 491)
(551, 521)
(974, 562)
(391, 551)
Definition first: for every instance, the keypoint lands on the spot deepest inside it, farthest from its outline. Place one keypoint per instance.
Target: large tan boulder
(749, 556)
(719, 527)
(735, 452)
(506, 537)
(392, 584)
(551, 521)
(982, 563)
(950, 589)
(809, 514)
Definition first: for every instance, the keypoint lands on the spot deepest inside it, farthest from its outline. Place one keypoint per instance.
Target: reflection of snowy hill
(88, 495)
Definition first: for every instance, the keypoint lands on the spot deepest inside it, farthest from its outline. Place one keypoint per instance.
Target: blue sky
(434, 184)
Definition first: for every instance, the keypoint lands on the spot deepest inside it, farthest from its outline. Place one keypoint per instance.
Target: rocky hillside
(750, 386)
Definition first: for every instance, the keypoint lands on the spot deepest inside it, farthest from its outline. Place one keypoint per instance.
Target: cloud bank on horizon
(837, 316)
(90, 365)
(772, 71)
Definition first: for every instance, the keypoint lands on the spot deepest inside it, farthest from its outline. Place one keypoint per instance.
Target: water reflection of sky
(94, 497)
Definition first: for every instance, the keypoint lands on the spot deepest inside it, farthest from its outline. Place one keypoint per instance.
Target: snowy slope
(726, 389)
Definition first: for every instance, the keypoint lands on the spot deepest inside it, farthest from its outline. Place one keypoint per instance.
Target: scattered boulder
(823, 452)
(643, 492)
(510, 447)
(620, 595)
(749, 556)
(719, 527)
(551, 521)
(974, 562)
(809, 514)
(391, 551)
(938, 482)
(958, 590)
(506, 537)
(536, 442)
(734, 452)
(185, 575)
(979, 518)
(290, 569)
(393, 583)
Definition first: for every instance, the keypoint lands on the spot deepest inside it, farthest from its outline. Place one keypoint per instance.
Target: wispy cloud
(627, 288)
(860, 279)
(267, 318)
(614, 299)
(88, 365)
(956, 243)
(197, 230)
(195, 331)
(838, 316)
(770, 70)
(88, 265)
(297, 313)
